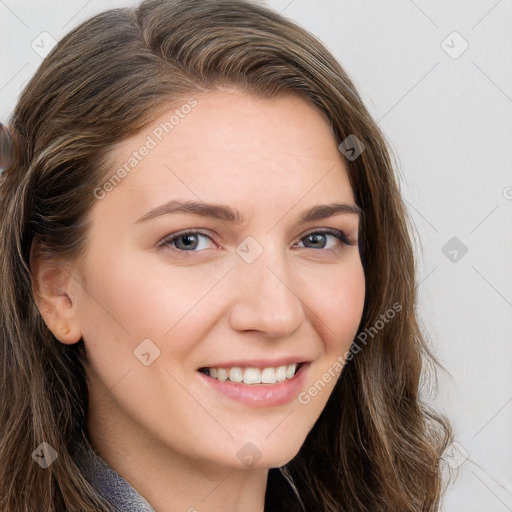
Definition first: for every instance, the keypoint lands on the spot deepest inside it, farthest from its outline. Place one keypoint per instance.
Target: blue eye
(190, 241)
(320, 237)
(186, 241)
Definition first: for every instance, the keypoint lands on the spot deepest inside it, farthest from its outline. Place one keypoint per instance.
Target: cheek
(138, 299)
(127, 303)
(339, 306)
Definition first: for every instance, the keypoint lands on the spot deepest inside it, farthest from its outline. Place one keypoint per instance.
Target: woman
(208, 281)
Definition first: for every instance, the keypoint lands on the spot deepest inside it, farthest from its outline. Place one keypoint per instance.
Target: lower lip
(261, 395)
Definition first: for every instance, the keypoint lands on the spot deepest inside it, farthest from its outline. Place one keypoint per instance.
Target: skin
(172, 437)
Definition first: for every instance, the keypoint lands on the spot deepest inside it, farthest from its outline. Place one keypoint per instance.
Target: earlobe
(53, 289)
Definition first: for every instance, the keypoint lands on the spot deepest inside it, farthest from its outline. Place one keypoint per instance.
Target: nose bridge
(264, 298)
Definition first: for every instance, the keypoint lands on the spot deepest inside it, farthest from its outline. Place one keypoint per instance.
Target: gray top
(281, 492)
(112, 486)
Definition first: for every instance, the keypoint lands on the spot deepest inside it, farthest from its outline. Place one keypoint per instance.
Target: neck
(167, 479)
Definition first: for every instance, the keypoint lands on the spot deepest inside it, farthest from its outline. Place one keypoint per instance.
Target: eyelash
(340, 235)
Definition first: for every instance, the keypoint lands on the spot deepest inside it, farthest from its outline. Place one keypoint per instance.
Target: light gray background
(447, 115)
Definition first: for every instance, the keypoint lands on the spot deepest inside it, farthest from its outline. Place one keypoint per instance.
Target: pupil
(189, 240)
(317, 238)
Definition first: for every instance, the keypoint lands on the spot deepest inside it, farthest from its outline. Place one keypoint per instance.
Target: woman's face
(253, 290)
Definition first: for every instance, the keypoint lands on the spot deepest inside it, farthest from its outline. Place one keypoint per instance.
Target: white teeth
(251, 375)
(236, 374)
(222, 374)
(268, 376)
(290, 371)
(281, 373)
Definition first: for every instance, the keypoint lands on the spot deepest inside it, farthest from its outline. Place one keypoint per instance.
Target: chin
(266, 455)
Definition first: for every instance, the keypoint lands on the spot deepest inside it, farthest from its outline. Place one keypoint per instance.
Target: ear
(54, 289)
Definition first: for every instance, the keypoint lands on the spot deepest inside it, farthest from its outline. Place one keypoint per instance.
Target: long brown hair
(376, 445)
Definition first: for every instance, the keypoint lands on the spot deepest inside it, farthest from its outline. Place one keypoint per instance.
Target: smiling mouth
(253, 375)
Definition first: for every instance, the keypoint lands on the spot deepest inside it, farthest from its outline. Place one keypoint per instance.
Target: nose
(264, 298)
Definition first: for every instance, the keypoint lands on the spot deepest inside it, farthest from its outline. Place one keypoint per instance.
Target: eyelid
(337, 233)
(168, 238)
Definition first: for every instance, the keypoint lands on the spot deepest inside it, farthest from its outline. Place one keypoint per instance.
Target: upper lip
(258, 363)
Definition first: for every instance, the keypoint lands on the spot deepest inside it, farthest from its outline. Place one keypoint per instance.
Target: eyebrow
(233, 216)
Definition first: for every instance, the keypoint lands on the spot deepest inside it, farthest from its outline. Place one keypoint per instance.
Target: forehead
(229, 145)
